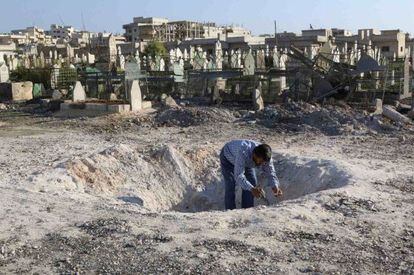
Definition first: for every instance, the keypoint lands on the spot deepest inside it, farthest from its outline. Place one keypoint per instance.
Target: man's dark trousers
(227, 169)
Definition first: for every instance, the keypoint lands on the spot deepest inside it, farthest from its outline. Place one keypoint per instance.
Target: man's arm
(270, 174)
(239, 169)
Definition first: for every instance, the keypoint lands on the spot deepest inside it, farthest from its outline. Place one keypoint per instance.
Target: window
(401, 49)
(385, 49)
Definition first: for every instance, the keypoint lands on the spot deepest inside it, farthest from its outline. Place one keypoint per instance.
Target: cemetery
(111, 153)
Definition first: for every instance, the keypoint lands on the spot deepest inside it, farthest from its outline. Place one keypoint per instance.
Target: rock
(201, 256)
(392, 114)
(168, 101)
(112, 96)
(56, 95)
(3, 106)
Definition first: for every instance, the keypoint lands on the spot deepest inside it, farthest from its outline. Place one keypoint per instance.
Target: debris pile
(330, 120)
(193, 116)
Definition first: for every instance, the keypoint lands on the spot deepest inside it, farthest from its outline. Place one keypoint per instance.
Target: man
(238, 158)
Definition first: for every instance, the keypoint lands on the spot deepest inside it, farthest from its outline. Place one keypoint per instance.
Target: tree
(155, 48)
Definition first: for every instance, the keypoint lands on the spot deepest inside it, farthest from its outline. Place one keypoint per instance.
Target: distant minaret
(275, 32)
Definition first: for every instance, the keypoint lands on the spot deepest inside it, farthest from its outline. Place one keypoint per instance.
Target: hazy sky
(256, 15)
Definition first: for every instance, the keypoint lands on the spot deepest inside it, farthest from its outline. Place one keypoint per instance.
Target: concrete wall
(16, 91)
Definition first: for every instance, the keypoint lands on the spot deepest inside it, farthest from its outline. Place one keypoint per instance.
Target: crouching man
(238, 158)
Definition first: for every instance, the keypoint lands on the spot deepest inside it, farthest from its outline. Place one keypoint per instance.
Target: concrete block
(69, 105)
(16, 91)
(22, 90)
(64, 106)
(119, 108)
(99, 107)
(146, 104)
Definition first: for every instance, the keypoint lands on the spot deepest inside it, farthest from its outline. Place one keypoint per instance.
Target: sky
(256, 15)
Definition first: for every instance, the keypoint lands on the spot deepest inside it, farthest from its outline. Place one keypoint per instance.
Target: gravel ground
(364, 227)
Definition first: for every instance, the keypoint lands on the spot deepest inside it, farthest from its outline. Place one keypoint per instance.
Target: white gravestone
(4, 73)
(135, 97)
(249, 66)
(78, 92)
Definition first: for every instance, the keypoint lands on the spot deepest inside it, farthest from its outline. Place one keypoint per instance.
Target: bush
(155, 48)
(33, 75)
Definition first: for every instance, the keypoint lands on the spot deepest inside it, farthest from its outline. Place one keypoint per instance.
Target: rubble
(192, 116)
(305, 117)
(394, 115)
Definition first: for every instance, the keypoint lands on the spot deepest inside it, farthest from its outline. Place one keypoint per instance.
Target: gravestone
(91, 58)
(4, 73)
(239, 59)
(162, 65)
(122, 62)
(42, 61)
(84, 58)
(249, 66)
(218, 56)
(407, 79)
(135, 97)
(226, 63)
(233, 59)
(276, 58)
(178, 53)
(198, 63)
(78, 92)
(54, 76)
(152, 64)
(192, 53)
(178, 69)
(260, 60)
(327, 50)
(210, 65)
(132, 69)
(258, 103)
(172, 56)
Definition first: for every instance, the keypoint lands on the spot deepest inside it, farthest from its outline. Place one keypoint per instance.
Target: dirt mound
(192, 116)
(164, 178)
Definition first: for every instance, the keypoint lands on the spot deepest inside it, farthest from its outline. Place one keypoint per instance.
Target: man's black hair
(263, 151)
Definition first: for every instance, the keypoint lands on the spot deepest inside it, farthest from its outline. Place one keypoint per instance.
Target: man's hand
(257, 192)
(277, 192)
